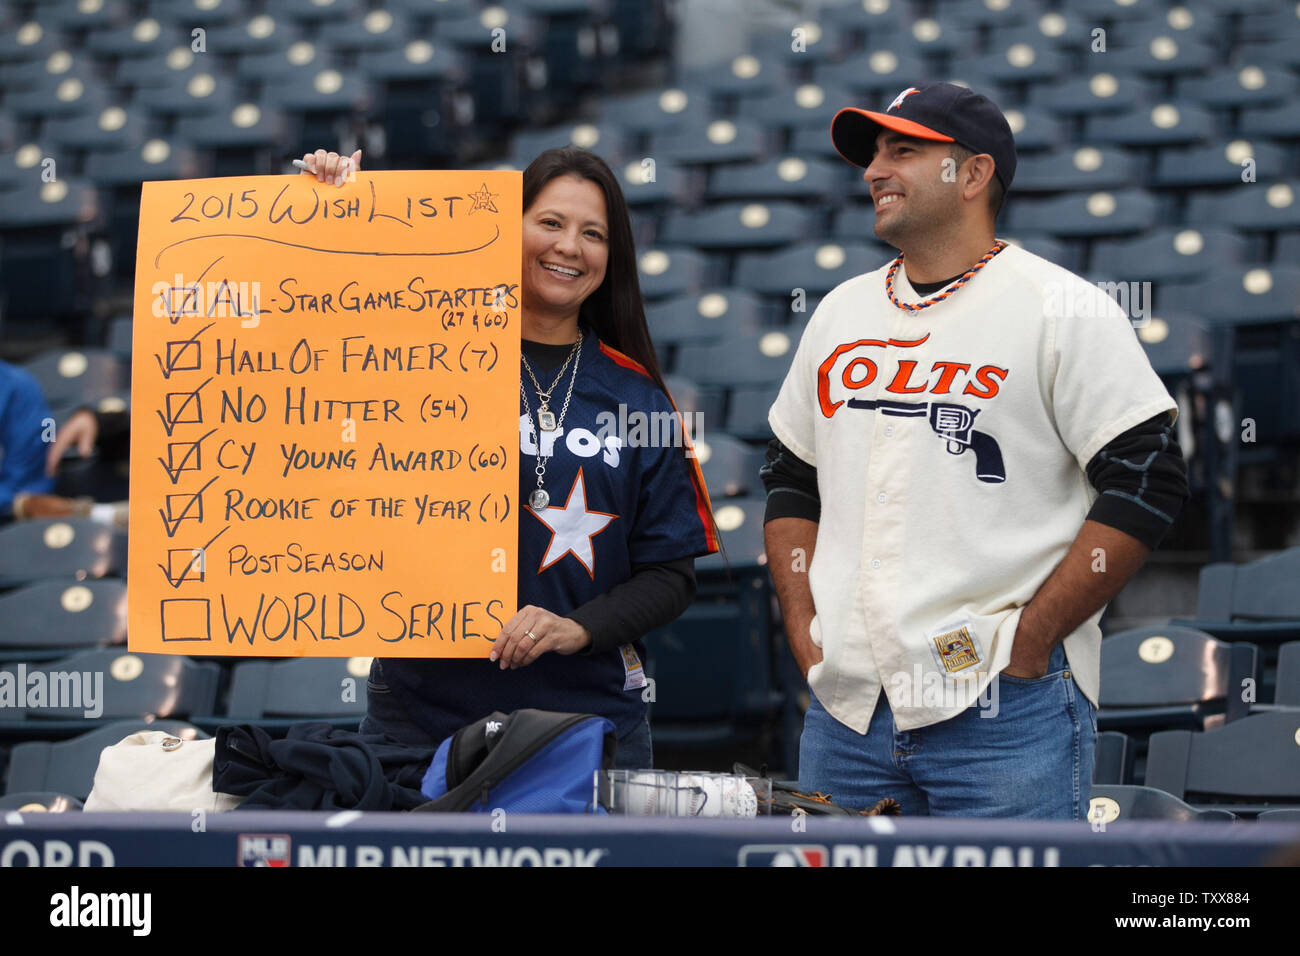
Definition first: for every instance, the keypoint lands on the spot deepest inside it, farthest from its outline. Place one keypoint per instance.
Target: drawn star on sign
(483, 200)
(572, 528)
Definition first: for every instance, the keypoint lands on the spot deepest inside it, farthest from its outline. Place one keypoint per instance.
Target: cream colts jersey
(951, 445)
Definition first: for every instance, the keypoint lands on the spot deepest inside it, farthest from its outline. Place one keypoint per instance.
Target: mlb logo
(784, 855)
(263, 849)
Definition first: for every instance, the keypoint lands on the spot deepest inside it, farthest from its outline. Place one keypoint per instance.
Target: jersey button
(875, 564)
(881, 498)
(889, 431)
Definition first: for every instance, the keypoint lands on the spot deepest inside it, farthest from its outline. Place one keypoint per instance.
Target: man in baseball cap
(928, 158)
(978, 470)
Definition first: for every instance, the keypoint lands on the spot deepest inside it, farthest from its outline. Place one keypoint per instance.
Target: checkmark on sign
(183, 507)
(183, 355)
(188, 564)
(183, 456)
(183, 408)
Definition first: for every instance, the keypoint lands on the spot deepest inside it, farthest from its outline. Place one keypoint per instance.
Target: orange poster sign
(325, 414)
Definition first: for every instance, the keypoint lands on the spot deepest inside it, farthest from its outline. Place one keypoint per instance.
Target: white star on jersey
(572, 528)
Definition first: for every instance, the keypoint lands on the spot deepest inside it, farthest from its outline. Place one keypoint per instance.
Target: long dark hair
(615, 311)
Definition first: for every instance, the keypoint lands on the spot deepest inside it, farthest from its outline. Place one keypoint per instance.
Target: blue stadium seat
(1112, 759)
(787, 177)
(1061, 253)
(797, 107)
(29, 40)
(659, 109)
(650, 183)
(704, 318)
(1166, 54)
(1265, 26)
(1112, 804)
(202, 92)
(68, 766)
(730, 466)
(1218, 164)
(743, 76)
(747, 411)
(1277, 122)
(49, 619)
(1162, 124)
(1168, 254)
(257, 35)
(816, 267)
(1035, 129)
(113, 128)
(1122, 212)
(371, 32)
(270, 67)
(245, 139)
(1237, 87)
(1016, 60)
(1246, 766)
(318, 12)
(276, 694)
(135, 37)
(1286, 691)
(761, 358)
(606, 141)
(75, 17)
(806, 38)
(879, 72)
(672, 270)
(68, 549)
(1096, 93)
(125, 685)
(76, 376)
(1177, 344)
(1182, 23)
(997, 15)
(1078, 168)
(188, 13)
(1257, 601)
(1163, 677)
(426, 101)
(737, 225)
(1241, 295)
(59, 96)
(43, 264)
(719, 141)
(1249, 207)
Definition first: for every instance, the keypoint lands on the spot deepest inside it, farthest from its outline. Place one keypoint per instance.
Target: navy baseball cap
(940, 111)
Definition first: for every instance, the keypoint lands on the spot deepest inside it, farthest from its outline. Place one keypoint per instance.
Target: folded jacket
(318, 767)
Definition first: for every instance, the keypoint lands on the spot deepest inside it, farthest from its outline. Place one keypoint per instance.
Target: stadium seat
(277, 694)
(1241, 86)
(658, 110)
(202, 92)
(736, 225)
(69, 766)
(40, 801)
(1281, 122)
(876, 74)
(1241, 295)
(49, 619)
(1246, 766)
(1016, 60)
(68, 549)
(1111, 804)
(251, 35)
(1062, 253)
(1078, 168)
(1165, 54)
(373, 31)
(1279, 816)
(744, 75)
(113, 128)
(1122, 212)
(649, 183)
(1179, 23)
(667, 270)
(1035, 129)
(1169, 677)
(74, 17)
(1249, 207)
(315, 13)
(1280, 23)
(704, 318)
(1094, 94)
(1257, 601)
(124, 685)
(717, 141)
(998, 14)
(1162, 124)
(1169, 254)
(1287, 688)
(1218, 164)
(787, 177)
(761, 358)
(1112, 758)
(815, 267)
(730, 466)
(797, 107)
(747, 411)
(271, 65)
(77, 376)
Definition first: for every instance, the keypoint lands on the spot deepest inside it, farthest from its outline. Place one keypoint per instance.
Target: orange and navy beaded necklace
(983, 261)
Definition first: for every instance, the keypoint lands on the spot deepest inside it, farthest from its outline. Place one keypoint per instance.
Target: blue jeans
(1032, 760)
(385, 715)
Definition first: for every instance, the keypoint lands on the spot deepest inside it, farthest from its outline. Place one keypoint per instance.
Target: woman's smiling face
(565, 246)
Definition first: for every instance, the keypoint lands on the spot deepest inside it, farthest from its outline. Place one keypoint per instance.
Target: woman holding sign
(609, 527)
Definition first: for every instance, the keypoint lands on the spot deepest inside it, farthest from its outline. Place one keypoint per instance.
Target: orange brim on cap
(854, 131)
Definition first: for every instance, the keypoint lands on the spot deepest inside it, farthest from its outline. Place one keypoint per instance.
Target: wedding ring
(531, 636)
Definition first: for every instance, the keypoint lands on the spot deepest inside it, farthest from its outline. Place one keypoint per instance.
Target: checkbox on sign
(186, 619)
(184, 565)
(184, 408)
(184, 356)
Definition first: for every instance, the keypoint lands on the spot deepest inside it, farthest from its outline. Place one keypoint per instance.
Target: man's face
(911, 198)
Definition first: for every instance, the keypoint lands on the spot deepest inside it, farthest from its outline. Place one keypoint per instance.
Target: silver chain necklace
(539, 499)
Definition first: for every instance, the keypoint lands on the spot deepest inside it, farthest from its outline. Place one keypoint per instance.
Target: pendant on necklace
(538, 500)
(546, 419)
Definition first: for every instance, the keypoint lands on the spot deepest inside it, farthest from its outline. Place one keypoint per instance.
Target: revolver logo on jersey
(855, 365)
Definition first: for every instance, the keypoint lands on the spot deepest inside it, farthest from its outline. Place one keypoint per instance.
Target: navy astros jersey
(620, 495)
